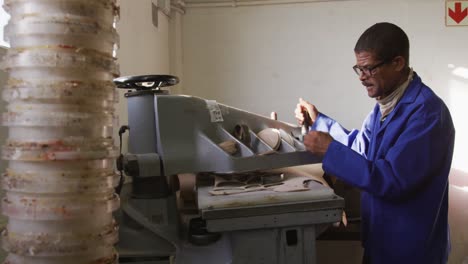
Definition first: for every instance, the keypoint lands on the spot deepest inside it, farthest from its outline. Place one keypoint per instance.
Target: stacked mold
(60, 178)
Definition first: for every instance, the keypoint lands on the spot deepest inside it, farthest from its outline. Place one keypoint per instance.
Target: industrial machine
(173, 135)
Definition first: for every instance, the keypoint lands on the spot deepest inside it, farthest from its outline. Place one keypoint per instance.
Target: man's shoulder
(429, 105)
(424, 96)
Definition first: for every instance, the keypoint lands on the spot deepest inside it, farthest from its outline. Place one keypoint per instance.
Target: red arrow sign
(458, 15)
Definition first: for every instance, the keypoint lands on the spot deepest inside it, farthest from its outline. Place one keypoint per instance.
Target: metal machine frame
(173, 134)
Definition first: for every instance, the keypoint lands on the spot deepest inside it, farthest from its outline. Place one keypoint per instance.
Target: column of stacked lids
(60, 179)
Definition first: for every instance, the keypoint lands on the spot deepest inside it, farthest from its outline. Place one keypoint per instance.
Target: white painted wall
(263, 58)
(144, 48)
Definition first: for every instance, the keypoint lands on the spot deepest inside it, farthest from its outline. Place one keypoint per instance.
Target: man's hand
(305, 107)
(317, 142)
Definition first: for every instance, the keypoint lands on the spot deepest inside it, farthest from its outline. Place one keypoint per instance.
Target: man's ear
(399, 62)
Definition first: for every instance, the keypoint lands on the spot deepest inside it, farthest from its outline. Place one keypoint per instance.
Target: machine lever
(306, 123)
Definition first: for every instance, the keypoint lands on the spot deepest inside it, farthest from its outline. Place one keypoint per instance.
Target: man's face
(379, 82)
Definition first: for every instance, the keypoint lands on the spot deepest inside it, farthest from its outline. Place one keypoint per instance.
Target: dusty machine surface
(172, 135)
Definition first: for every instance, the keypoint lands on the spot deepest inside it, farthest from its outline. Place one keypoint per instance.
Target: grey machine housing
(176, 134)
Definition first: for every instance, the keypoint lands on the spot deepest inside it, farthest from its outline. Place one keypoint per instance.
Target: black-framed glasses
(369, 71)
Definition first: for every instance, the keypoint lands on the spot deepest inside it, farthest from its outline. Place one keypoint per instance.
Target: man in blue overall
(400, 159)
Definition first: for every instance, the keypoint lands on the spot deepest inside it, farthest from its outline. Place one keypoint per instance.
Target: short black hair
(385, 40)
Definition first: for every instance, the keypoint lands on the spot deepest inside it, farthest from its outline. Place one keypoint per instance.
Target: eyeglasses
(369, 71)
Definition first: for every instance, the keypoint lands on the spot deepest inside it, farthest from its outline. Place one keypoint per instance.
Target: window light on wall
(3, 21)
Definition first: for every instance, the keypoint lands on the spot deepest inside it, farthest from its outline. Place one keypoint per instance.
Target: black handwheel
(146, 82)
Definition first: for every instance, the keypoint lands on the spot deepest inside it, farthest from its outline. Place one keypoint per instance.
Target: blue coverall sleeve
(419, 149)
(358, 140)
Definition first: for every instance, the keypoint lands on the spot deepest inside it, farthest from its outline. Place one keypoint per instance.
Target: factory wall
(144, 46)
(263, 58)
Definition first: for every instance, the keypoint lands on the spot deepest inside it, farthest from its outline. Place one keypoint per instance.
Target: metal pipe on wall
(238, 3)
(60, 178)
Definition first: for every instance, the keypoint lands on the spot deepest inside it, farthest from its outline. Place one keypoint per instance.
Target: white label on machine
(215, 111)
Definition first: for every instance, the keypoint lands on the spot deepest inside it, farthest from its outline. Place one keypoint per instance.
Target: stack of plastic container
(60, 179)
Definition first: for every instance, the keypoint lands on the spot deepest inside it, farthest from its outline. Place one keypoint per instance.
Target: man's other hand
(317, 142)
